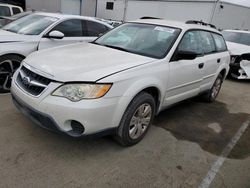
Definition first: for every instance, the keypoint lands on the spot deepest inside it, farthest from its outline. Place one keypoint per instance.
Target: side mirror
(186, 55)
(56, 35)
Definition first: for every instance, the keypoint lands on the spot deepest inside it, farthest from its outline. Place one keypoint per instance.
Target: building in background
(77, 7)
(20, 3)
(222, 14)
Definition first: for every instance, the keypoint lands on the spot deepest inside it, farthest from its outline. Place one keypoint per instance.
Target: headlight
(77, 92)
(233, 59)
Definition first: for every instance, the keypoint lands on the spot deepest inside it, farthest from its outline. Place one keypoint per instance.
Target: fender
(133, 90)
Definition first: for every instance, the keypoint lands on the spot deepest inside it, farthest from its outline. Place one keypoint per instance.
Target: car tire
(136, 120)
(8, 65)
(212, 94)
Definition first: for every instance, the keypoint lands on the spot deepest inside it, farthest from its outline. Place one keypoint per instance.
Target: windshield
(30, 25)
(237, 37)
(143, 39)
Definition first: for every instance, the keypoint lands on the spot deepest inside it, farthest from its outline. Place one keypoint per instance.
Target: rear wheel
(136, 120)
(212, 94)
(8, 65)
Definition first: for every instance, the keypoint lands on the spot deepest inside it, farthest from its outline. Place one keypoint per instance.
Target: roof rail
(149, 17)
(200, 23)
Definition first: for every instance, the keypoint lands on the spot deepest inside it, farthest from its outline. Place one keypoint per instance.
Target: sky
(241, 2)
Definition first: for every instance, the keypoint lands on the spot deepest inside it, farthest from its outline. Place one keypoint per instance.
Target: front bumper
(57, 114)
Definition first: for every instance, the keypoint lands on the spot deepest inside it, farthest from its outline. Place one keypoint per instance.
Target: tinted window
(207, 42)
(191, 42)
(219, 42)
(237, 37)
(4, 11)
(70, 28)
(95, 29)
(16, 10)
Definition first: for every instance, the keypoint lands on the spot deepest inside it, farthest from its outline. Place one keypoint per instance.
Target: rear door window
(95, 29)
(207, 42)
(16, 10)
(220, 43)
(5, 11)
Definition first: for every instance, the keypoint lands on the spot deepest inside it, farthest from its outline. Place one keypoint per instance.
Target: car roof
(66, 16)
(176, 24)
(237, 31)
(9, 5)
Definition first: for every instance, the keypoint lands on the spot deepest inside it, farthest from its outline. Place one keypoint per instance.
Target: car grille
(31, 82)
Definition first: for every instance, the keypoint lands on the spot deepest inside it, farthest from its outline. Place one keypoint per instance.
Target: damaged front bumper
(240, 67)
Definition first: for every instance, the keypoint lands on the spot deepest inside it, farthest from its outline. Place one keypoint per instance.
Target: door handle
(201, 65)
(218, 60)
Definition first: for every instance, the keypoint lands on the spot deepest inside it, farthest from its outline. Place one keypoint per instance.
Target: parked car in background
(238, 42)
(6, 20)
(113, 23)
(39, 31)
(118, 83)
(9, 10)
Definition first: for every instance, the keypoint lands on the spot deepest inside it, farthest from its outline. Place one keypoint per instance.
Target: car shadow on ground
(211, 126)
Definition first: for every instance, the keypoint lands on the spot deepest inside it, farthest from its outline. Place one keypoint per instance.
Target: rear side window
(207, 42)
(191, 43)
(220, 43)
(95, 29)
(70, 28)
(16, 10)
(4, 11)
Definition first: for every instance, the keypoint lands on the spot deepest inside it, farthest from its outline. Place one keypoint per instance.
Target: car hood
(237, 49)
(83, 62)
(6, 36)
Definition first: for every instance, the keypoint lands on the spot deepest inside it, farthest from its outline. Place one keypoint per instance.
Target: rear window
(4, 11)
(219, 42)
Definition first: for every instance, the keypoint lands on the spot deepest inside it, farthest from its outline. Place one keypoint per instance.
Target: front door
(185, 76)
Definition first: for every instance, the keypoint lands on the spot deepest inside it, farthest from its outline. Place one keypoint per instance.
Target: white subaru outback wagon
(118, 83)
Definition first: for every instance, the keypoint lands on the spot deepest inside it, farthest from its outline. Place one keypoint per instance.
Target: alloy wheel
(7, 69)
(140, 121)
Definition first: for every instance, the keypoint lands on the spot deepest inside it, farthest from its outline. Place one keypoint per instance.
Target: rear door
(185, 76)
(73, 30)
(214, 48)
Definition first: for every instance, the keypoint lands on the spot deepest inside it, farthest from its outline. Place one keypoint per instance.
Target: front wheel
(212, 94)
(136, 120)
(8, 65)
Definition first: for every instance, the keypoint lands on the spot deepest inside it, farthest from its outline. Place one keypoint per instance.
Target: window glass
(16, 10)
(207, 42)
(95, 29)
(143, 39)
(191, 42)
(237, 37)
(219, 42)
(70, 28)
(4, 11)
(110, 5)
(33, 24)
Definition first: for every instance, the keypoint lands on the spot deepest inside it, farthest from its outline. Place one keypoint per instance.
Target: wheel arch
(223, 72)
(15, 54)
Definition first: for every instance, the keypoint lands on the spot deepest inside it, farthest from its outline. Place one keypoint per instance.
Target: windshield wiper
(116, 47)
